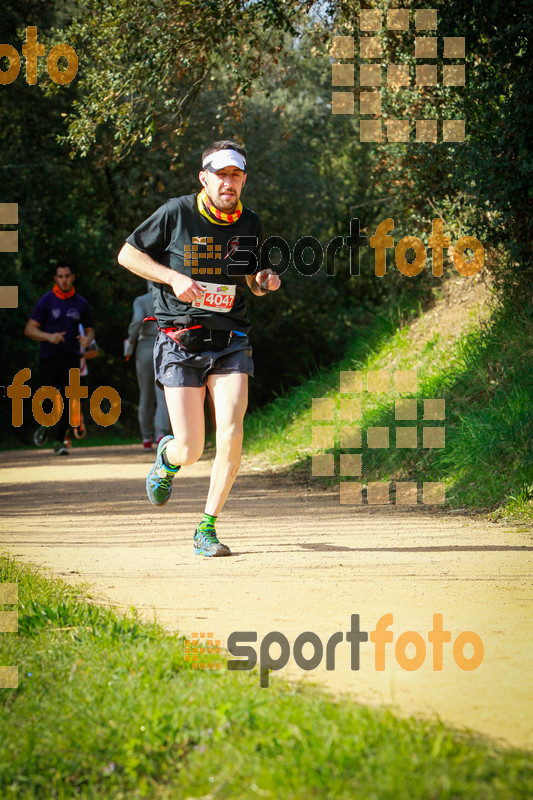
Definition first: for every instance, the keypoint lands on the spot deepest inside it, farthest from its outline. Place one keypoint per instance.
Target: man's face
(64, 278)
(223, 187)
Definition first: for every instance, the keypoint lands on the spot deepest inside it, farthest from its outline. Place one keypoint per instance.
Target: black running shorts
(175, 366)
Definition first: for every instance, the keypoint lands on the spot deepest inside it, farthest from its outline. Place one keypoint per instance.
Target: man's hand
(267, 280)
(186, 289)
(129, 347)
(84, 341)
(57, 338)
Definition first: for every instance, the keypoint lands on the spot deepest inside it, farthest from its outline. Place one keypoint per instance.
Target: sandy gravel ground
(302, 562)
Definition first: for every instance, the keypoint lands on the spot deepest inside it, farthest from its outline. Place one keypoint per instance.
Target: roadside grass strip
(107, 708)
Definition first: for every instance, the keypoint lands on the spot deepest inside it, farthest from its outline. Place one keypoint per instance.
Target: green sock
(207, 523)
(166, 462)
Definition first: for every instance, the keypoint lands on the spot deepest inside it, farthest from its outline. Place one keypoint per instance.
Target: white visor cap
(224, 158)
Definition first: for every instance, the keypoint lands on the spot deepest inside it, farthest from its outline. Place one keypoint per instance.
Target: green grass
(107, 708)
(486, 379)
(281, 431)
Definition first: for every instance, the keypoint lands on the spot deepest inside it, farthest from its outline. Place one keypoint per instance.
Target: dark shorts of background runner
(175, 366)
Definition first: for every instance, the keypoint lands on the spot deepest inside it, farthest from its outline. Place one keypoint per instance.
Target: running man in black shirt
(201, 251)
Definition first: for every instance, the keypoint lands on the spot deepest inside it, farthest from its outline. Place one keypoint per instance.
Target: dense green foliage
(108, 708)
(148, 63)
(157, 81)
(85, 206)
(483, 186)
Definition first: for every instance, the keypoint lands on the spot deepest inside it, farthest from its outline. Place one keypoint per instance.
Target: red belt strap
(174, 333)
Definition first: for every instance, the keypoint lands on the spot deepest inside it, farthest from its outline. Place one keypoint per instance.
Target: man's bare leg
(186, 411)
(230, 398)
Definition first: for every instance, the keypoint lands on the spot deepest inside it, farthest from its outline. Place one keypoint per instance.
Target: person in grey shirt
(151, 398)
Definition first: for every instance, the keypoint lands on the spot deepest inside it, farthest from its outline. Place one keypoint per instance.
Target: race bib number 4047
(216, 297)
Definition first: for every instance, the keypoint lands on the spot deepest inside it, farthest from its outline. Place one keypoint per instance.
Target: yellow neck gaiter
(212, 213)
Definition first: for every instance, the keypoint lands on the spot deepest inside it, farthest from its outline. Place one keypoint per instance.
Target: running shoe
(207, 544)
(60, 449)
(159, 480)
(147, 444)
(40, 437)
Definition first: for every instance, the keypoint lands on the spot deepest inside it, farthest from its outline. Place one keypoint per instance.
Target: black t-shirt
(178, 236)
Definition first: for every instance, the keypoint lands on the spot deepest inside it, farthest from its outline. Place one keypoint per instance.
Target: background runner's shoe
(159, 480)
(40, 437)
(207, 544)
(60, 449)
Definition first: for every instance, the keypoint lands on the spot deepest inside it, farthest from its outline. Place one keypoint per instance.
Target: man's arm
(86, 322)
(33, 331)
(186, 289)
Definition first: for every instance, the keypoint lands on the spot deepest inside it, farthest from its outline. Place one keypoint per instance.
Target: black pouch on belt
(196, 338)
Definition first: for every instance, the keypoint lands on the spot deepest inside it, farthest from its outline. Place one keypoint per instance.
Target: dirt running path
(301, 563)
